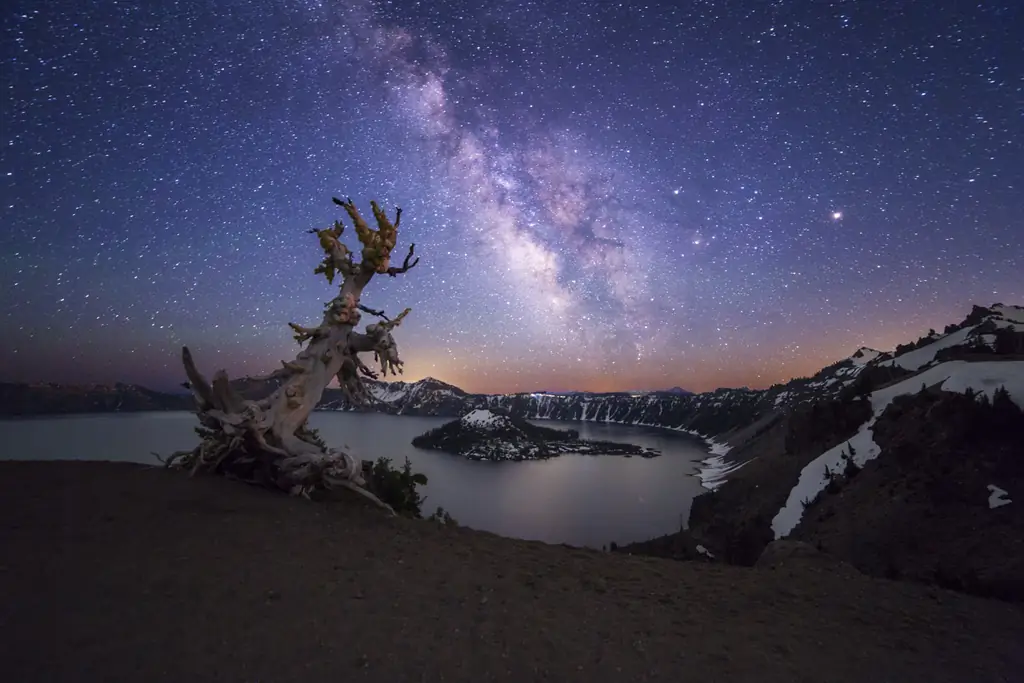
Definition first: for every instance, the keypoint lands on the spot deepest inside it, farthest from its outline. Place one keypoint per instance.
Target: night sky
(605, 195)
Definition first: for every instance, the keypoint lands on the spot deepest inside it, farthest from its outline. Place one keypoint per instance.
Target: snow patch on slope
(997, 497)
(388, 392)
(864, 355)
(952, 376)
(1012, 316)
(486, 420)
(986, 378)
(918, 358)
(716, 471)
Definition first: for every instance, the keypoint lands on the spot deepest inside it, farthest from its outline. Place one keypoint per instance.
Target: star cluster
(604, 195)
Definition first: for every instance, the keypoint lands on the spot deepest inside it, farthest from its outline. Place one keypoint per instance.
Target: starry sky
(606, 195)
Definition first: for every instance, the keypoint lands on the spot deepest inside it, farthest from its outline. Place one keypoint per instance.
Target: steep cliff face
(708, 414)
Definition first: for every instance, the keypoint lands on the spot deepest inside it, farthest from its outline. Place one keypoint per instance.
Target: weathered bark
(266, 441)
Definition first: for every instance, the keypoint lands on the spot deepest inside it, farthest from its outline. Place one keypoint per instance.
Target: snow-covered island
(496, 435)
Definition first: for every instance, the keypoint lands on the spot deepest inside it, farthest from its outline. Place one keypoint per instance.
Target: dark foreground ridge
(120, 572)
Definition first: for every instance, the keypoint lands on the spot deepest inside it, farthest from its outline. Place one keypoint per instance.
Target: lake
(575, 499)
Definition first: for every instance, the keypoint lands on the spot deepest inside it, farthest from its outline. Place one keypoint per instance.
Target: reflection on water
(575, 499)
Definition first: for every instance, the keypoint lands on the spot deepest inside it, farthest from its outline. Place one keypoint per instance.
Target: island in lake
(496, 435)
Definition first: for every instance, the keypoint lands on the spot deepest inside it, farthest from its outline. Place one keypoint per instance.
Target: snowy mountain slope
(895, 480)
(918, 358)
(923, 509)
(427, 396)
(979, 329)
(1009, 316)
(953, 376)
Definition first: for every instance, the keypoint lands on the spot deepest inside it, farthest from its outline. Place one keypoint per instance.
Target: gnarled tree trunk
(266, 441)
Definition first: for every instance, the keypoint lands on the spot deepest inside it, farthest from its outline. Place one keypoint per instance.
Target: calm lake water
(575, 499)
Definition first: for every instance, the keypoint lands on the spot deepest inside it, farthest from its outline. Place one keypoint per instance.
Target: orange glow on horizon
(510, 378)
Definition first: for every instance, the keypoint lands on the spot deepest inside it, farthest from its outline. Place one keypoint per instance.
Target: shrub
(397, 488)
(441, 516)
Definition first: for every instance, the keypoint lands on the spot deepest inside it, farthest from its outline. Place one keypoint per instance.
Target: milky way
(605, 196)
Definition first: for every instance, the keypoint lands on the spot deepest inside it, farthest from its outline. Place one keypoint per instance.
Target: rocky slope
(936, 505)
(497, 436)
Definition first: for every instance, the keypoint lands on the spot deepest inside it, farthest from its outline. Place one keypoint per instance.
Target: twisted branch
(367, 309)
(405, 264)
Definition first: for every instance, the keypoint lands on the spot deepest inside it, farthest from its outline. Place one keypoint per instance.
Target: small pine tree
(850, 467)
(1004, 405)
(443, 517)
(396, 487)
(833, 484)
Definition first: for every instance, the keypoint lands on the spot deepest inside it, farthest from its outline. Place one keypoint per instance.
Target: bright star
(836, 215)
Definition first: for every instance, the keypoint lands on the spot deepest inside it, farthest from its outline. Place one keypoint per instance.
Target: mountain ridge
(431, 396)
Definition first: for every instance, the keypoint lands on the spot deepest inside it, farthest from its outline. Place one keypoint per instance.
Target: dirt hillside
(119, 572)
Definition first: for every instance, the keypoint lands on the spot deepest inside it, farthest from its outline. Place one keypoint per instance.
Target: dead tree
(267, 441)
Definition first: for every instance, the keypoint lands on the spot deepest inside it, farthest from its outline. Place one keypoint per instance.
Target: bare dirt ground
(117, 572)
